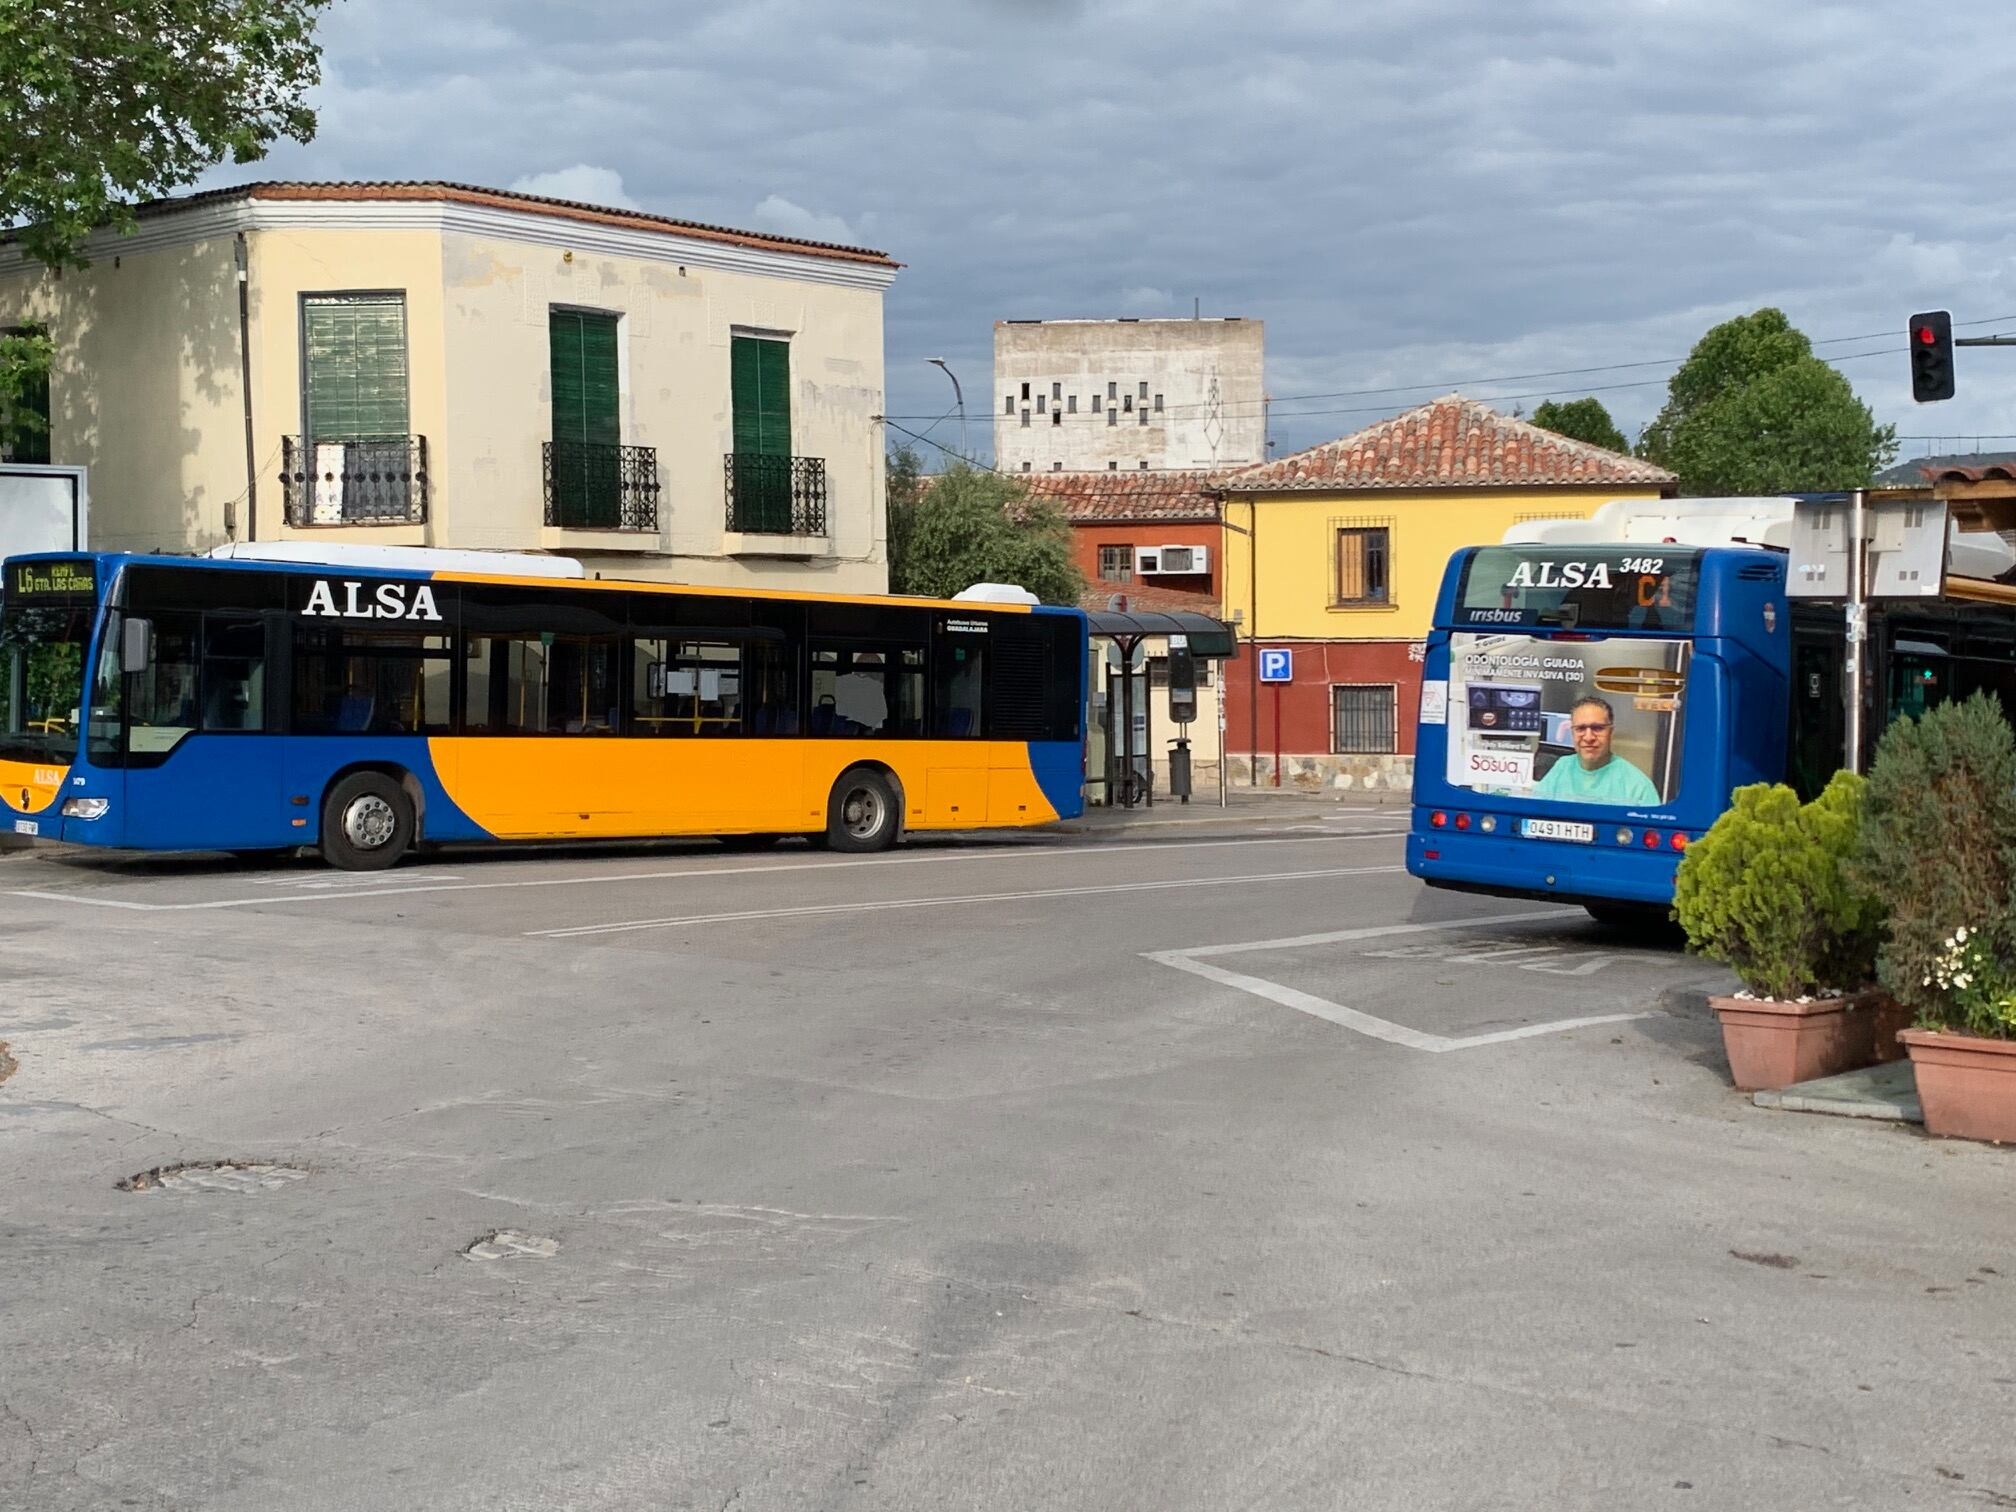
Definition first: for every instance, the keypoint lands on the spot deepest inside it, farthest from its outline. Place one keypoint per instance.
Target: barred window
(1362, 718)
(1361, 570)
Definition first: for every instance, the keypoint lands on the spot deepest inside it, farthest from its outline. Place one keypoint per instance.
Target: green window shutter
(760, 384)
(586, 399)
(587, 423)
(355, 347)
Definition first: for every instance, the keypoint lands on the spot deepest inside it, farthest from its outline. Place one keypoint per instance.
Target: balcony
(595, 486)
(367, 480)
(776, 495)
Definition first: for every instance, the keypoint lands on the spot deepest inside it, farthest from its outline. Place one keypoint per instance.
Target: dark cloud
(1429, 195)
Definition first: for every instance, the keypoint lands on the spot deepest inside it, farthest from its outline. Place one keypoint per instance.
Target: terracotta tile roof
(1452, 442)
(505, 199)
(1086, 497)
(1973, 470)
(1151, 600)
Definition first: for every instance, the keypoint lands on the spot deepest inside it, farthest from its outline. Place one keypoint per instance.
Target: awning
(1208, 637)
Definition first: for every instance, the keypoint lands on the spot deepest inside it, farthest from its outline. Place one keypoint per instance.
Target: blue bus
(1587, 709)
(181, 704)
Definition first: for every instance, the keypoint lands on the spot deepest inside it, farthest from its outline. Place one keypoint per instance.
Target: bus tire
(862, 814)
(367, 823)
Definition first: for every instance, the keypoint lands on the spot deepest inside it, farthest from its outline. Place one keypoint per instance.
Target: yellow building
(1336, 554)
(435, 365)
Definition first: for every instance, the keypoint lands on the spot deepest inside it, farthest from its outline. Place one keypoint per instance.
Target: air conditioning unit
(1171, 561)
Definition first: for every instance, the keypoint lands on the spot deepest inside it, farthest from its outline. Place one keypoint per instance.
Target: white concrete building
(1126, 395)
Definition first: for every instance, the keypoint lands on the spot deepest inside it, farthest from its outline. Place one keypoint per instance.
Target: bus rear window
(1579, 587)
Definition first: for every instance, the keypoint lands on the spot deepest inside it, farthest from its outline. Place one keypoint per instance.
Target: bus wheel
(367, 823)
(862, 813)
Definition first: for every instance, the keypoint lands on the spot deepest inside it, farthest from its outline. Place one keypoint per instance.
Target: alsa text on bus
(1560, 575)
(389, 601)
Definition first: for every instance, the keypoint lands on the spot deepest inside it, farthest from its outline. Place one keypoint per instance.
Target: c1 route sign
(1277, 666)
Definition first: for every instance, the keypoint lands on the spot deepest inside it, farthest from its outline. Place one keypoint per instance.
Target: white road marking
(581, 930)
(992, 853)
(1365, 1023)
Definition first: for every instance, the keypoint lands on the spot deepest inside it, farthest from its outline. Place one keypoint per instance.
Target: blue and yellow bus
(186, 704)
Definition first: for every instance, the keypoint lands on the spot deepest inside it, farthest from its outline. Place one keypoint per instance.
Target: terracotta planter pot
(1773, 1044)
(1966, 1084)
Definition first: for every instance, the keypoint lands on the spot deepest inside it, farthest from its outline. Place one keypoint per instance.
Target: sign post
(1277, 666)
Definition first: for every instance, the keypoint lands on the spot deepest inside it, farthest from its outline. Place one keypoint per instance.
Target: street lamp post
(959, 398)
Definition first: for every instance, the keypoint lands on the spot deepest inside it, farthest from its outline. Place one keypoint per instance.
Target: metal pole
(958, 398)
(1858, 626)
(1221, 735)
(1277, 734)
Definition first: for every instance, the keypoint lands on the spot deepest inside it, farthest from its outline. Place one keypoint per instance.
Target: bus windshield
(42, 641)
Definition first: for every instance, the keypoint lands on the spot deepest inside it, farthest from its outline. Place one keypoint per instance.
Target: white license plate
(27, 827)
(1557, 829)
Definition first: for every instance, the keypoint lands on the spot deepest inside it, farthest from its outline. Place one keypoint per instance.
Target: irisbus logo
(393, 601)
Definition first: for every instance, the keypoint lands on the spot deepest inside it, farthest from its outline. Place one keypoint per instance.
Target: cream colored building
(429, 364)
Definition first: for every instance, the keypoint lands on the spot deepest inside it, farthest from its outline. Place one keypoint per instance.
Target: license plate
(27, 827)
(1557, 829)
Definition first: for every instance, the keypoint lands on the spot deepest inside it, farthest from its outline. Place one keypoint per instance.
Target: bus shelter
(1120, 732)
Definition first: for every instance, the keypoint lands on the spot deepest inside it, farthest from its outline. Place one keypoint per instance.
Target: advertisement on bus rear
(1595, 722)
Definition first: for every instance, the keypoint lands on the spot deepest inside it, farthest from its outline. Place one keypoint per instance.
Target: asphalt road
(1230, 1170)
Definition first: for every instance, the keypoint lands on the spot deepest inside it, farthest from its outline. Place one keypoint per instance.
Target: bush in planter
(1939, 846)
(1768, 892)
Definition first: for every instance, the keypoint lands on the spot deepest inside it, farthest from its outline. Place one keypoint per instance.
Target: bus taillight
(1651, 839)
(1679, 841)
(1439, 819)
(1462, 821)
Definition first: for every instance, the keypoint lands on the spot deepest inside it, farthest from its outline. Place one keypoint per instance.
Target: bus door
(1815, 742)
(203, 767)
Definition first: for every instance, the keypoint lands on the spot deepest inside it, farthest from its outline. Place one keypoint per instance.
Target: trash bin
(1179, 770)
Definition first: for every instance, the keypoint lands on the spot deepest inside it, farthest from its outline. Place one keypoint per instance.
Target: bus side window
(234, 673)
(958, 682)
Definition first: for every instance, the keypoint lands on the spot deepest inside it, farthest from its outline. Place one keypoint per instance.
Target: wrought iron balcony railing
(356, 480)
(595, 486)
(776, 495)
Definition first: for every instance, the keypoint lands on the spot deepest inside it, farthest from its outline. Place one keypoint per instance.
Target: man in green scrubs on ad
(1596, 775)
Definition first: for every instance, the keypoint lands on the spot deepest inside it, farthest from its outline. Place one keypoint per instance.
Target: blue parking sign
(1277, 666)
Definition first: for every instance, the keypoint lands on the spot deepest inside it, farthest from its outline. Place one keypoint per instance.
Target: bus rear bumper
(1515, 868)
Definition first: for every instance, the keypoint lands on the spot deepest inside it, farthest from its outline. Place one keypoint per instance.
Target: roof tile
(1452, 441)
(1085, 497)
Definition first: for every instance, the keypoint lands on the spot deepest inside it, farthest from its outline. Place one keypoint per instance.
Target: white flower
(1960, 935)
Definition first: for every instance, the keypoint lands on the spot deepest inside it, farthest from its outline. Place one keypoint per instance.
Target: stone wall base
(1314, 774)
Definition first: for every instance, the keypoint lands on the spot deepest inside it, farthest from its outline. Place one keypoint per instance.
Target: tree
(1582, 420)
(104, 103)
(969, 525)
(1753, 411)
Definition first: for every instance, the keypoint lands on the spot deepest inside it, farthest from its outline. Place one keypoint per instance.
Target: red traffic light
(1931, 355)
(1927, 335)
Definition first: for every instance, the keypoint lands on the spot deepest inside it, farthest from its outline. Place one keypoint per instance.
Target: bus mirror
(136, 646)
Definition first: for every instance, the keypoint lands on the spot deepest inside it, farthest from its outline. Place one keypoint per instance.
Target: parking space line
(581, 931)
(1365, 1023)
(994, 852)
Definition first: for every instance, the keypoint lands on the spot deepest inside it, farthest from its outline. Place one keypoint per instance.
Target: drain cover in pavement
(214, 1176)
(509, 1244)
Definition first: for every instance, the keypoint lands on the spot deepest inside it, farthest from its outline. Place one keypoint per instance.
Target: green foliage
(25, 357)
(107, 102)
(1753, 411)
(1770, 892)
(1939, 845)
(972, 526)
(1582, 420)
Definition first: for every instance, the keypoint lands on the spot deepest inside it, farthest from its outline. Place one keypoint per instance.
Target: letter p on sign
(1277, 666)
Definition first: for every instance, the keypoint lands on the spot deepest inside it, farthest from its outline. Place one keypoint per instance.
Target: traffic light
(1931, 356)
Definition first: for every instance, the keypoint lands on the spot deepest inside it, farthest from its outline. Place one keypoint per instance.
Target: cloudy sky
(1426, 195)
